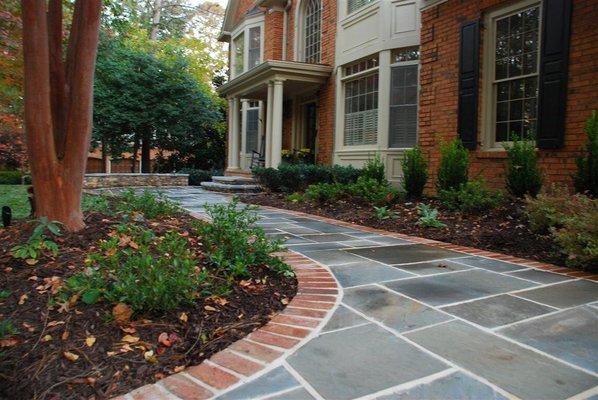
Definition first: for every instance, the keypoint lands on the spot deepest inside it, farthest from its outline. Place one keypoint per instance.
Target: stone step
(230, 188)
(234, 180)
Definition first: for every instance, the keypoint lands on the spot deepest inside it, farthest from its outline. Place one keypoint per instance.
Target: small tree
(58, 104)
(586, 178)
(523, 175)
(415, 172)
(454, 166)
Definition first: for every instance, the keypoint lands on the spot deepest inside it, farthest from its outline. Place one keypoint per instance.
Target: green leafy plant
(586, 178)
(383, 213)
(373, 191)
(4, 294)
(97, 203)
(523, 175)
(428, 217)
(374, 169)
(10, 177)
(415, 172)
(150, 204)
(233, 242)
(454, 165)
(473, 196)
(197, 176)
(38, 243)
(324, 192)
(295, 197)
(291, 178)
(551, 207)
(7, 329)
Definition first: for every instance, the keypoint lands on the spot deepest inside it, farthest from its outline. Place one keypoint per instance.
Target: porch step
(232, 184)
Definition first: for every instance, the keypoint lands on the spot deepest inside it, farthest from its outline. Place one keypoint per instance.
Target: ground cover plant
(131, 298)
(15, 197)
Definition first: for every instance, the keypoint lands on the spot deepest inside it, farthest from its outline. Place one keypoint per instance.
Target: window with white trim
(361, 102)
(515, 62)
(354, 5)
(254, 51)
(402, 132)
(246, 48)
(252, 126)
(239, 53)
(312, 31)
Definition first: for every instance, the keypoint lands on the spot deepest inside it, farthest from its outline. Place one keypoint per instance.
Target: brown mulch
(503, 230)
(34, 363)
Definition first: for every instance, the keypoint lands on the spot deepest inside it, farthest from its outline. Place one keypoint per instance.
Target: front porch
(257, 112)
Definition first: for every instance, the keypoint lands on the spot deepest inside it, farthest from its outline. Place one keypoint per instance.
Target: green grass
(15, 196)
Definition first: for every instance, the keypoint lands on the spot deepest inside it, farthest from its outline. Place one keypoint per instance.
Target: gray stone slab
(401, 254)
(458, 286)
(325, 227)
(365, 272)
(540, 276)
(564, 295)
(288, 238)
(360, 243)
(359, 361)
(303, 248)
(328, 237)
(498, 310)
(490, 264)
(386, 240)
(333, 257)
(343, 318)
(393, 310)
(571, 335)
(295, 394)
(273, 381)
(270, 221)
(517, 370)
(434, 267)
(456, 386)
(298, 230)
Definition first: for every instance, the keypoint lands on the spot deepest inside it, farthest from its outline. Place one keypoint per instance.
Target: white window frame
(244, 29)
(299, 42)
(403, 64)
(488, 73)
(358, 9)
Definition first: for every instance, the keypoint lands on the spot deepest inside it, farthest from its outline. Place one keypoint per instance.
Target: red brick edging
(574, 273)
(317, 295)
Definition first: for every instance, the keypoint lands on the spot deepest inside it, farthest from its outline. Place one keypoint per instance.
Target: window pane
(239, 48)
(405, 54)
(251, 131)
(354, 5)
(311, 31)
(361, 117)
(403, 106)
(254, 55)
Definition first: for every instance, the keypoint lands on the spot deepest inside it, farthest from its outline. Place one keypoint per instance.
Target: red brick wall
(439, 86)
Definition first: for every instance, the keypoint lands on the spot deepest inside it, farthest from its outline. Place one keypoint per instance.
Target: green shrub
(586, 178)
(291, 178)
(345, 174)
(94, 202)
(233, 242)
(374, 191)
(454, 165)
(415, 172)
(38, 243)
(150, 204)
(374, 169)
(428, 217)
(473, 196)
(149, 273)
(523, 175)
(268, 178)
(295, 197)
(10, 177)
(324, 192)
(197, 176)
(383, 213)
(551, 207)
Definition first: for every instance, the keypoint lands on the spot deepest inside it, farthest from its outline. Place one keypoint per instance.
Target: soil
(33, 362)
(503, 230)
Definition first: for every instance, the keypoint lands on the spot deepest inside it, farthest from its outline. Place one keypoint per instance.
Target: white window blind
(403, 106)
(361, 111)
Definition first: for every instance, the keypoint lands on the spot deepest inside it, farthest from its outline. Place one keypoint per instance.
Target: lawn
(15, 196)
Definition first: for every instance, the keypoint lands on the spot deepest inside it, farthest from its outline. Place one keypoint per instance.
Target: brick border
(573, 273)
(318, 294)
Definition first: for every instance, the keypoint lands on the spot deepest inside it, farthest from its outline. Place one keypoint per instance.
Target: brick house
(352, 78)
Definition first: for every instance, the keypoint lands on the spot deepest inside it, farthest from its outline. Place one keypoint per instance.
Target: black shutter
(468, 84)
(554, 62)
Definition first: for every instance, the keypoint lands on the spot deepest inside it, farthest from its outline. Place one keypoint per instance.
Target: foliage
(7, 329)
(473, 196)
(374, 169)
(415, 172)
(97, 203)
(291, 178)
(197, 176)
(523, 175)
(150, 204)
(152, 274)
(233, 242)
(551, 207)
(324, 192)
(15, 196)
(10, 177)
(295, 197)
(428, 217)
(454, 165)
(374, 191)
(586, 178)
(38, 243)
(12, 145)
(383, 213)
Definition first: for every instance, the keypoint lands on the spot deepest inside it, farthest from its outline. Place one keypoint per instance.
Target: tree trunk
(156, 19)
(134, 155)
(58, 104)
(146, 162)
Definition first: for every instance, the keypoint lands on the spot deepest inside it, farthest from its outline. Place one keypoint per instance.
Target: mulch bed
(33, 363)
(504, 229)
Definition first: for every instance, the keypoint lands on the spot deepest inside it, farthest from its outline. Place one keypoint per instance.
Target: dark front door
(311, 127)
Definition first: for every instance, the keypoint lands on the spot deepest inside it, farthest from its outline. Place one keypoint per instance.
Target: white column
(277, 124)
(261, 127)
(235, 133)
(244, 105)
(269, 107)
(229, 139)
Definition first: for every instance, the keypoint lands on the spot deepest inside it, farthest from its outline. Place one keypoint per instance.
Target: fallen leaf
(47, 338)
(130, 339)
(22, 299)
(90, 340)
(128, 329)
(210, 308)
(122, 313)
(125, 348)
(32, 278)
(245, 283)
(31, 261)
(179, 368)
(219, 300)
(163, 339)
(54, 323)
(284, 301)
(150, 357)
(8, 342)
(70, 356)
(65, 335)
(29, 327)
(183, 317)
(111, 353)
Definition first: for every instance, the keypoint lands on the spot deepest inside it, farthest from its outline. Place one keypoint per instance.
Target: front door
(310, 127)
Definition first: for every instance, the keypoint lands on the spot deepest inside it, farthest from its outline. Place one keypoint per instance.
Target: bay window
(360, 84)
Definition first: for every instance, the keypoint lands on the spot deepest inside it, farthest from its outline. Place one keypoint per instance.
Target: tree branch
(58, 93)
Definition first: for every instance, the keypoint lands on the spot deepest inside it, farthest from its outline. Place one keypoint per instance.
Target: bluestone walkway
(422, 322)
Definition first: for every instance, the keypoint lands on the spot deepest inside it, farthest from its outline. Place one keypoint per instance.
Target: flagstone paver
(418, 319)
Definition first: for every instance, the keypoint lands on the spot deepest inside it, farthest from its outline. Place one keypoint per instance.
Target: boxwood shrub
(291, 178)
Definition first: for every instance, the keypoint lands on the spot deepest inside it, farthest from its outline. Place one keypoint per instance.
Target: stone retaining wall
(95, 181)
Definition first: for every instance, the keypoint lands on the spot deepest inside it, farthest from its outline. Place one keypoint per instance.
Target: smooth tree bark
(58, 104)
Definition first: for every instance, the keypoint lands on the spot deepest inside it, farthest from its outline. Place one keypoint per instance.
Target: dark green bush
(10, 177)
(148, 203)
(345, 174)
(373, 191)
(472, 197)
(324, 192)
(291, 178)
(415, 172)
(586, 178)
(454, 165)
(374, 169)
(523, 175)
(197, 176)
